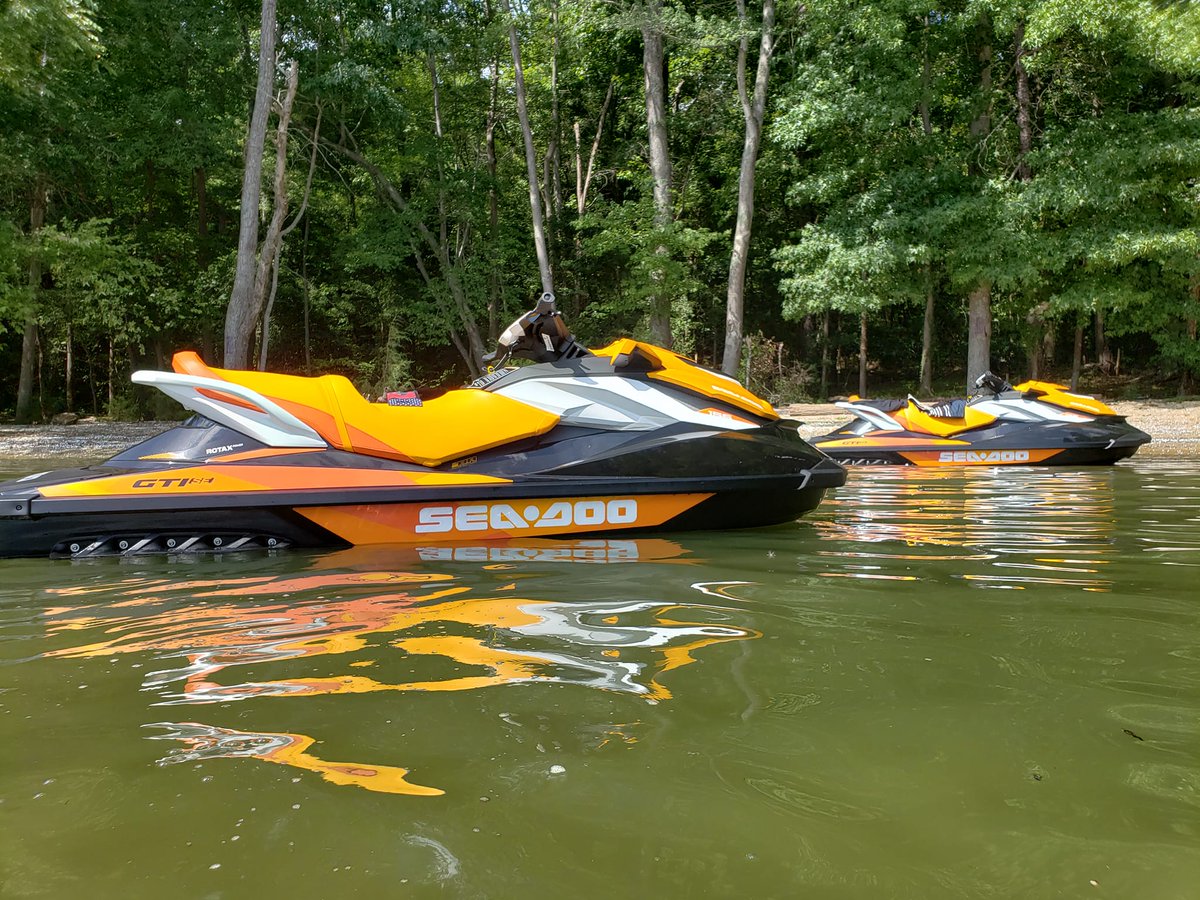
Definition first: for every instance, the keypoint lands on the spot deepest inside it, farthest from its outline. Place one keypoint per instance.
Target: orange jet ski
(626, 438)
(1034, 423)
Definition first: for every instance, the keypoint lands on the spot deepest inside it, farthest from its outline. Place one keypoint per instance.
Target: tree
(243, 313)
(653, 65)
(753, 109)
(535, 200)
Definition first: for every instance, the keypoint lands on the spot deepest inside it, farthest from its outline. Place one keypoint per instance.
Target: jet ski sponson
(1034, 423)
(627, 438)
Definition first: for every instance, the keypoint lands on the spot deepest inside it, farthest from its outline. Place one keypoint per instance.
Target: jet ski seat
(945, 419)
(428, 435)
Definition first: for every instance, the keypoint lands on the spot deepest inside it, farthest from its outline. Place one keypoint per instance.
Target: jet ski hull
(1095, 443)
(176, 500)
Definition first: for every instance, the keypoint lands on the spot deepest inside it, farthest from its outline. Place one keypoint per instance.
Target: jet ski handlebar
(993, 384)
(540, 335)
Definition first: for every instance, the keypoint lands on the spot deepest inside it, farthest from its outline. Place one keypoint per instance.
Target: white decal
(983, 456)
(504, 517)
(436, 518)
(583, 551)
(213, 450)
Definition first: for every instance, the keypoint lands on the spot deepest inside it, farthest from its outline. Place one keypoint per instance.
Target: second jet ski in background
(1034, 423)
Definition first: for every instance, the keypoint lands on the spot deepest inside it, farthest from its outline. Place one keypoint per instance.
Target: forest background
(818, 196)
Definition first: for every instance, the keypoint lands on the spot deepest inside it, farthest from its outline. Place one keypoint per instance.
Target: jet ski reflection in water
(1034, 423)
(625, 438)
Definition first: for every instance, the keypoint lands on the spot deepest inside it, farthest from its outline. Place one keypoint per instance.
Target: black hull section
(1076, 456)
(134, 532)
(1099, 443)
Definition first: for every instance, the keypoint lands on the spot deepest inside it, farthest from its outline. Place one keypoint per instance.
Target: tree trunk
(1047, 349)
(267, 273)
(979, 303)
(37, 218)
(307, 302)
(926, 82)
(1077, 358)
(535, 205)
(660, 162)
(1185, 381)
(583, 182)
(551, 163)
(979, 335)
(70, 365)
(753, 111)
(825, 355)
(1104, 357)
(862, 355)
(926, 386)
(1024, 104)
(241, 317)
(201, 217)
(493, 303)
(926, 378)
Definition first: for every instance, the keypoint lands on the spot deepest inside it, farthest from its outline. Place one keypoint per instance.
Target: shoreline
(1173, 425)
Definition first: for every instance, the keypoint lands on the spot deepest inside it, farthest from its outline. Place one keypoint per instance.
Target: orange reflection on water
(209, 742)
(615, 645)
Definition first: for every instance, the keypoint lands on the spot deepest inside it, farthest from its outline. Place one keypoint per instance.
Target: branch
(312, 165)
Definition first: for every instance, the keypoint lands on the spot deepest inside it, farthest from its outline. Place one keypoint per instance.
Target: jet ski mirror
(540, 335)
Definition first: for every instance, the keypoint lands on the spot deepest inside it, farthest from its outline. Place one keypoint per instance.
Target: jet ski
(626, 438)
(1034, 423)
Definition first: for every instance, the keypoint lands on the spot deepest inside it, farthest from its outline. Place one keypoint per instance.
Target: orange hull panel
(933, 458)
(407, 523)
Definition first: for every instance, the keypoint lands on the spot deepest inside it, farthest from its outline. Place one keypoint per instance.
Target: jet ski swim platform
(1034, 423)
(627, 438)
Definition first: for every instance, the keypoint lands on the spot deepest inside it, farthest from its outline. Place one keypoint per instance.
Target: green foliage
(891, 166)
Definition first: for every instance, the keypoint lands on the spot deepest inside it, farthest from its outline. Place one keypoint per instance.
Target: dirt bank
(88, 440)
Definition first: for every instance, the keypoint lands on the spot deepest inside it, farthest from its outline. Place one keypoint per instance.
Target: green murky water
(964, 684)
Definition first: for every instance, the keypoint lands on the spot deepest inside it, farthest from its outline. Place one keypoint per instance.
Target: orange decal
(887, 443)
(218, 479)
(418, 522)
(261, 454)
(222, 397)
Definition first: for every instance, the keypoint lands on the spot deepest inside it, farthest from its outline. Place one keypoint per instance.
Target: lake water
(949, 684)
